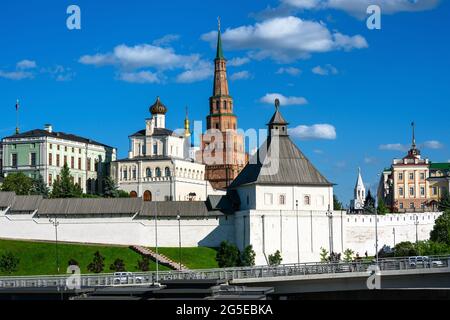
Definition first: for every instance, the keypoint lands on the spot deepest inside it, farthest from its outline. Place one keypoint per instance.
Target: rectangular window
(411, 176)
(72, 162)
(58, 162)
(65, 149)
(79, 182)
(400, 192)
(422, 191)
(400, 176)
(79, 163)
(434, 191)
(88, 164)
(14, 160)
(50, 159)
(422, 176)
(411, 205)
(51, 146)
(282, 199)
(65, 160)
(401, 205)
(307, 200)
(33, 159)
(50, 180)
(73, 150)
(268, 199)
(58, 147)
(411, 191)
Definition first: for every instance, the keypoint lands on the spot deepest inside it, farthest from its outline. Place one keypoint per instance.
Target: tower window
(158, 172)
(217, 105)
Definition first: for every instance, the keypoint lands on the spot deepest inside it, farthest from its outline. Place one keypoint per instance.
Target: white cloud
(166, 40)
(370, 160)
(314, 132)
(242, 75)
(16, 75)
(284, 101)
(139, 77)
(204, 70)
(237, 62)
(286, 39)
(432, 144)
(130, 60)
(26, 64)
(394, 147)
(358, 8)
(318, 151)
(289, 70)
(325, 70)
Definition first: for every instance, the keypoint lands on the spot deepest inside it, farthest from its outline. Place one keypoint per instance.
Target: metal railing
(285, 270)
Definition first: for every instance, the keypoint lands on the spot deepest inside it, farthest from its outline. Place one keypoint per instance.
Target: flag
(17, 105)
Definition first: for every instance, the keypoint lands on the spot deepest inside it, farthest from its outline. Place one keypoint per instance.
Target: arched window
(148, 173)
(158, 172)
(167, 172)
(147, 196)
(217, 105)
(225, 105)
(133, 194)
(307, 200)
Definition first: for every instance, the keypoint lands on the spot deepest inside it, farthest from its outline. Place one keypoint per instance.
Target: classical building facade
(44, 152)
(159, 166)
(359, 196)
(222, 147)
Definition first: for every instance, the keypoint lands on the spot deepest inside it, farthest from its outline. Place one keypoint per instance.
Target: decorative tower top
(158, 107)
(219, 54)
(413, 152)
(360, 193)
(187, 129)
(277, 124)
(220, 72)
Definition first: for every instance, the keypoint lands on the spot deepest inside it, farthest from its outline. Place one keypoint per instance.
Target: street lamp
(329, 214)
(156, 237)
(376, 223)
(416, 222)
(179, 237)
(393, 232)
(298, 233)
(56, 224)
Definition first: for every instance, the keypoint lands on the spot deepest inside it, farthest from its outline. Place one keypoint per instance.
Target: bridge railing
(285, 270)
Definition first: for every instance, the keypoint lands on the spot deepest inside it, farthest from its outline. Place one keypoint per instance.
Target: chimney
(48, 128)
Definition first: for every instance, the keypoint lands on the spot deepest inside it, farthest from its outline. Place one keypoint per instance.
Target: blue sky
(350, 93)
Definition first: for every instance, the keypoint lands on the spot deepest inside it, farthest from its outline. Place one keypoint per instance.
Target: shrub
(144, 264)
(9, 263)
(228, 255)
(275, 259)
(248, 257)
(98, 264)
(118, 266)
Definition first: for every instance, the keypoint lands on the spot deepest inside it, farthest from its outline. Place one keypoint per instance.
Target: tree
(39, 187)
(441, 230)
(118, 266)
(123, 194)
(19, 183)
(98, 264)
(248, 257)
(444, 202)
(9, 263)
(144, 264)
(275, 259)
(369, 204)
(382, 209)
(348, 255)
(228, 255)
(337, 204)
(65, 187)
(405, 249)
(110, 188)
(323, 255)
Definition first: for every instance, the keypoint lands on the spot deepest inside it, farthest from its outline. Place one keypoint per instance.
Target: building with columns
(44, 152)
(159, 166)
(222, 147)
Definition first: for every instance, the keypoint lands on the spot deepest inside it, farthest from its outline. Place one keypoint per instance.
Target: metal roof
(90, 206)
(7, 199)
(174, 208)
(37, 133)
(156, 132)
(26, 203)
(285, 166)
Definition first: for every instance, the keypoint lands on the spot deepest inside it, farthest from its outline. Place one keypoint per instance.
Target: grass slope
(39, 258)
(193, 258)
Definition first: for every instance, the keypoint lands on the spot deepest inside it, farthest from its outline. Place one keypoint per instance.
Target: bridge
(286, 280)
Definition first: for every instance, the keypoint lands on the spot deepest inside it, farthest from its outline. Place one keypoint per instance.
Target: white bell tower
(359, 196)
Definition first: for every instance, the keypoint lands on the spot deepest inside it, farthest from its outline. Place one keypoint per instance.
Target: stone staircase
(162, 259)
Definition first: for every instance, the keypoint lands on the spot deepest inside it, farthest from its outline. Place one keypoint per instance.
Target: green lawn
(193, 258)
(39, 258)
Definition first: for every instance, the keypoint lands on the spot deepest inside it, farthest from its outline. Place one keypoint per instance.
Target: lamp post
(393, 232)
(298, 233)
(156, 237)
(179, 238)
(376, 223)
(329, 214)
(56, 224)
(416, 222)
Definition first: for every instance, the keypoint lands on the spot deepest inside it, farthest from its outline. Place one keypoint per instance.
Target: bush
(323, 255)
(405, 249)
(144, 264)
(98, 264)
(9, 263)
(430, 248)
(228, 255)
(386, 252)
(122, 194)
(348, 255)
(118, 266)
(248, 257)
(275, 259)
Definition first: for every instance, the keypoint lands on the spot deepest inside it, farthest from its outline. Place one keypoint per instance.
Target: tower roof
(277, 117)
(359, 181)
(219, 54)
(158, 107)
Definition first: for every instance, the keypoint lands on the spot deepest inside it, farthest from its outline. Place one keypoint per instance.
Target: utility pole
(298, 233)
(179, 238)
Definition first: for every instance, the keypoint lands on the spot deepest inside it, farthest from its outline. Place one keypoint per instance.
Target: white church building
(160, 166)
(279, 202)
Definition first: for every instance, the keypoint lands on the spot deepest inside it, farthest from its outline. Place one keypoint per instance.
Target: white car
(126, 278)
(425, 262)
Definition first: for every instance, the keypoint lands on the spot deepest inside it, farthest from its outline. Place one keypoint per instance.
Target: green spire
(219, 54)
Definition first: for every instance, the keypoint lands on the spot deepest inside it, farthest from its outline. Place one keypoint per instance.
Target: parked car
(424, 262)
(126, 278)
